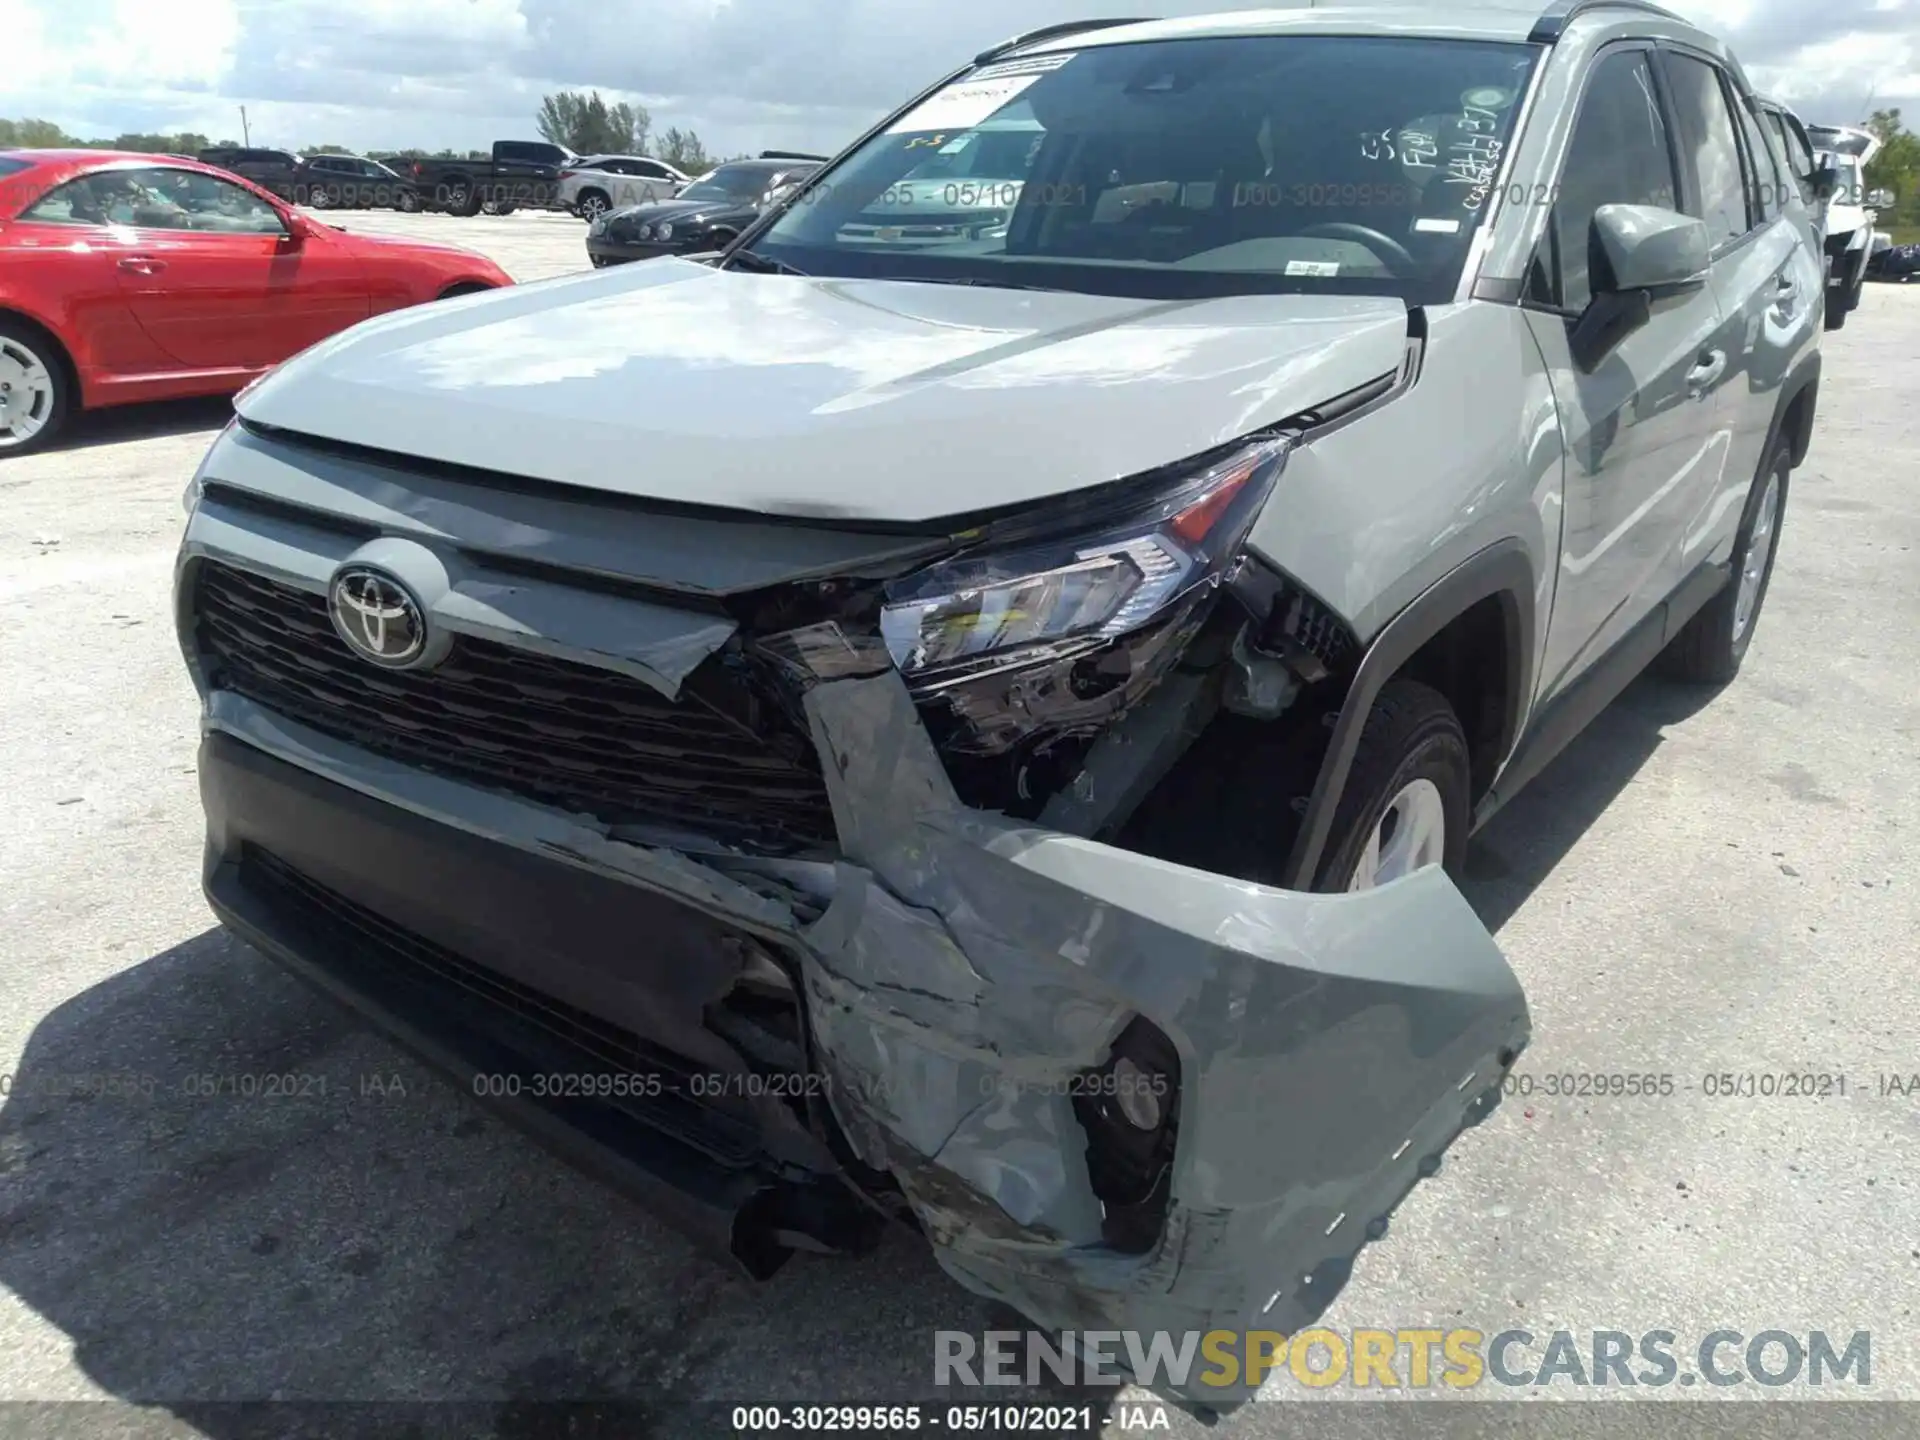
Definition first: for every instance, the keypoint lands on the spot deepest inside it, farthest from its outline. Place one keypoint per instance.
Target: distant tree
(326, 150)
(185, 142)
(1895, 168)
(35, 135)
(682, 150)
(587, 125)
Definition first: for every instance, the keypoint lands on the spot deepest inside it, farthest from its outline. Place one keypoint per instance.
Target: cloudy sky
(745, 74)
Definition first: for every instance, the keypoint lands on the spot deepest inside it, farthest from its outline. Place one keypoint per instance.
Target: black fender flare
(1803, 380)
(1503, 570)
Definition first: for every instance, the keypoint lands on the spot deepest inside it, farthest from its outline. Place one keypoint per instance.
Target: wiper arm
(761, 264)
(985, 284)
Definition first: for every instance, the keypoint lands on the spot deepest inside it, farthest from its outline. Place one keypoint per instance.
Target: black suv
(274, 170)
(352, 182)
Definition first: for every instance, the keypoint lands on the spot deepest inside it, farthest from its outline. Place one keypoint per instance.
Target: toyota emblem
(377, 618)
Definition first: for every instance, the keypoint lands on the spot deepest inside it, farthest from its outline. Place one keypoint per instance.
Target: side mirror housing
(1880, 199)
(1643, 254)
(298, 229)
(1648, 248)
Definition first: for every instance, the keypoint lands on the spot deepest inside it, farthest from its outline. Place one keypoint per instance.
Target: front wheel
(409, 201)
(1709, 650)
(1407, 798)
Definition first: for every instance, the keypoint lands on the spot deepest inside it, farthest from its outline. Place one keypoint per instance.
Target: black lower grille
(581, 738)
(600, 1059)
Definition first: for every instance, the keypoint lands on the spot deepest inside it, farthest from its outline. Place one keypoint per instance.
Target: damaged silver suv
(973, 725)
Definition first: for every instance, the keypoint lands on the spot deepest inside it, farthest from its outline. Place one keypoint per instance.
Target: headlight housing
(663, 231)
(645, 232)
(1048, 600)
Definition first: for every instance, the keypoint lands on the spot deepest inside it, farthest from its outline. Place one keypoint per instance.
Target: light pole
(246, 136)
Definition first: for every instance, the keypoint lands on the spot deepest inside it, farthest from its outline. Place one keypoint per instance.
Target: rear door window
(1710, 143)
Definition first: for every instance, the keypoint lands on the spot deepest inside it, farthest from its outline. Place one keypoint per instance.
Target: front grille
(578, 1044)
(584, 739)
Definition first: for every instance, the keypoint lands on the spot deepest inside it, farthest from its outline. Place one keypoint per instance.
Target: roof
(74, 155)
(1508, 20)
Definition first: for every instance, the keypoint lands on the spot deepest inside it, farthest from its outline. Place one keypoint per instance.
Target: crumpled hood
(856, 399)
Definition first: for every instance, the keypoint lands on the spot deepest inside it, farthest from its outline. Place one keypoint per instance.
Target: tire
(1411, 765)
(34, 390)
(317, 198)
(1709, 650)
(409, 202)
(592, 204)
(504, 207)
(1837, 310)
(462, 198)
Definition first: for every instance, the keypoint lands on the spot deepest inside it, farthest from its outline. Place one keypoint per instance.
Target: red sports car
(144, 277)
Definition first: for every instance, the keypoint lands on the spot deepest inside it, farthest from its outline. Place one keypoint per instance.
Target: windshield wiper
(987, 284)
(761, 264)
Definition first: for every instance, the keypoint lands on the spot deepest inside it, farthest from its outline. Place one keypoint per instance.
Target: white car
(599, 183)
(1851, 215)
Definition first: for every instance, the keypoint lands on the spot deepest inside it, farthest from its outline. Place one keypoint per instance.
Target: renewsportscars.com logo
(1457, 1359)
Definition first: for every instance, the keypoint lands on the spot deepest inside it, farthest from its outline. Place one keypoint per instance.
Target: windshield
(1181, 168)
(743, 183)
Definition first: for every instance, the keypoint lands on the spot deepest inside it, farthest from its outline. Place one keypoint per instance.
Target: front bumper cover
(967, 968)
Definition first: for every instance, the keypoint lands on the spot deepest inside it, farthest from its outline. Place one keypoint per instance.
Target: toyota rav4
(977, 732)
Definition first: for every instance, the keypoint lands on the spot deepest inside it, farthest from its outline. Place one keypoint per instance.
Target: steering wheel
(1385, 246)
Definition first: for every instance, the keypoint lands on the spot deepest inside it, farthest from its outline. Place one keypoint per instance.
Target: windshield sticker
(963, 105)
(1491, 98)
(1430, 225)
(1321, 269)
(1032, 65)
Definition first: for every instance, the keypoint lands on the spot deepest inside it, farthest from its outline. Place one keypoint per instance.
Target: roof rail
(792, 155)
(1554, 20)
(1053, 32)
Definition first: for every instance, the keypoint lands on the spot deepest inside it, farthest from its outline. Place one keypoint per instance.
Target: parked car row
(140, 277)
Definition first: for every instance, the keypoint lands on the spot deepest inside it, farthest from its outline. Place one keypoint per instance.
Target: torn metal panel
(1331, 1046)
(1132, 756)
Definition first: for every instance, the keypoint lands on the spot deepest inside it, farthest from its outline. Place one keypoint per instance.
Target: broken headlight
(1057, 599)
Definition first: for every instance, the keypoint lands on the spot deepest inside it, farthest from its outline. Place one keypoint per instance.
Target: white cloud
(745, 74)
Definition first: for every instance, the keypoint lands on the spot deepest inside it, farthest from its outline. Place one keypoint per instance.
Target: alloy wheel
(1410, 835)
(1753, 570)
(26, 393)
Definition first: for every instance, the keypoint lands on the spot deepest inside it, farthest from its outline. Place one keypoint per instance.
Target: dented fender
(1331, 1046)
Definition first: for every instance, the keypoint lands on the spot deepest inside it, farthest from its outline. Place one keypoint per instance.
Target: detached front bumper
(964, 974)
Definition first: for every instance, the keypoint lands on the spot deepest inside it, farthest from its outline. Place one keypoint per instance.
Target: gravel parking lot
(1702, 884)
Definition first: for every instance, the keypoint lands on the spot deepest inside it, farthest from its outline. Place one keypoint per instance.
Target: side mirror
(1880, 199)
(1648, 248)
(1642, 254)
(298, 229)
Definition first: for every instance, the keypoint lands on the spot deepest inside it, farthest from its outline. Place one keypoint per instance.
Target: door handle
(1710, 365)
(143, 265)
